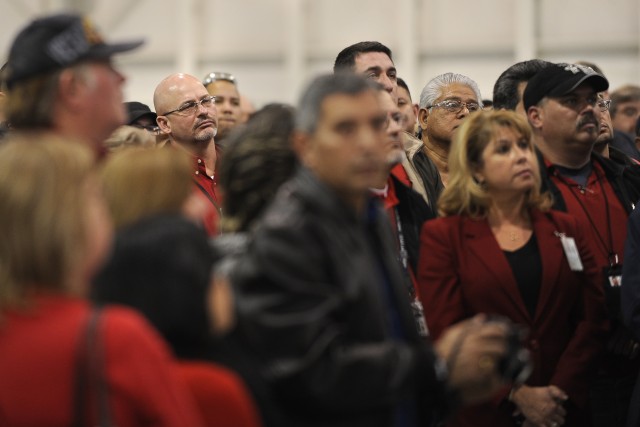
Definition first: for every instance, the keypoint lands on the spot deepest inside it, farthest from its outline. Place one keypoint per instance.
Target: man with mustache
(188, 115)
(565, 112)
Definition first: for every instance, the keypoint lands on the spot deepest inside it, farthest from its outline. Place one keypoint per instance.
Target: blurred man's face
(347, 149)
(103, 96)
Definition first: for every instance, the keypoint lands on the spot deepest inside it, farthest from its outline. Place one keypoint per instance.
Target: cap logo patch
(67, 46)
(575, 69)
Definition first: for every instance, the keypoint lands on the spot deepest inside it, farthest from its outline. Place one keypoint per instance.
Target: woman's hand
(541, 406)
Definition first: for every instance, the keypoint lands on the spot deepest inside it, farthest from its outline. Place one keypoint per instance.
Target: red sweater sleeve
(141, 371)
(220, 395)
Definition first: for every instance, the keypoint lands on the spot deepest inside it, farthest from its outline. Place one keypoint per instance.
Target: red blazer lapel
(480, 242)
(552, 256)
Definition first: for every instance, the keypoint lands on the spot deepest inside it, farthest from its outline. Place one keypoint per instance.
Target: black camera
(516, 365)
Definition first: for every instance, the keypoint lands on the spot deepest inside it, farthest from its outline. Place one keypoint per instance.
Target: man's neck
(438, 152)
(602, 149)
(574, 157)
(204, 150)
(384, 178)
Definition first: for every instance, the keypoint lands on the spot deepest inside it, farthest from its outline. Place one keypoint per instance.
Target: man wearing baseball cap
(60, 78)
(140, 115)
(564, 111)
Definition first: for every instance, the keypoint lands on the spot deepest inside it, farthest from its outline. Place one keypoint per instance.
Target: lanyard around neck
(613, 256)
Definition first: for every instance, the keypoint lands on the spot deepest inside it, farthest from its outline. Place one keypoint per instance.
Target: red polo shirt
(592, 204)
(206, 185)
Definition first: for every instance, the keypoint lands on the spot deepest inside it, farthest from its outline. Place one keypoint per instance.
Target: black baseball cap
(137, 110)
(57, 41)
(561, 79)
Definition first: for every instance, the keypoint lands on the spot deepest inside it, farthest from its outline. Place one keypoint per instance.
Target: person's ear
(478, 176)
(71, 88)
(163, 124)
(535, 115)
(423, 118)
(301, 145)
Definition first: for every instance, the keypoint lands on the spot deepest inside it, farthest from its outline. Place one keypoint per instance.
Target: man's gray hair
(433, 90)
(308, 113)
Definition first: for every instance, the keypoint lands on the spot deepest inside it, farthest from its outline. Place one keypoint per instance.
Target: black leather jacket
(311, 305)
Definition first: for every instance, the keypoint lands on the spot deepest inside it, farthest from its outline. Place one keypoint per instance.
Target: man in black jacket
(320, 293)
(564, 111)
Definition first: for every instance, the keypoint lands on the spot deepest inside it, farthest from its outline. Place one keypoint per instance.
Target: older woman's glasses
(454, 106)
(191, 107)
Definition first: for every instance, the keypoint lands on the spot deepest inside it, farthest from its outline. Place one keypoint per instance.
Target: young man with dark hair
(371, 59)
(508, 89)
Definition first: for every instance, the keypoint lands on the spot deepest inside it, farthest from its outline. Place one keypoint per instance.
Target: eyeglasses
(579, 103)
(453, 106)
(149, 128)
(191, 107)
(216, 75)
(604, 104)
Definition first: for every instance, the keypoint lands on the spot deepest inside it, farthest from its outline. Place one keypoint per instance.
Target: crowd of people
(358, 259)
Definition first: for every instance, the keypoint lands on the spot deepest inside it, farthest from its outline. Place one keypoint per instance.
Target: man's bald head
(164, 97)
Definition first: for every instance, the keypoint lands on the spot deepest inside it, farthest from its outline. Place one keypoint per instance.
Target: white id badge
(571, 251)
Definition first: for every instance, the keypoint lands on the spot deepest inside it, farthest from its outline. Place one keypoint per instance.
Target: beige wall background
(274, 47)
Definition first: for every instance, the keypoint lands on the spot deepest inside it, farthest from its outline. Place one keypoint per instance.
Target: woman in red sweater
(55, 233)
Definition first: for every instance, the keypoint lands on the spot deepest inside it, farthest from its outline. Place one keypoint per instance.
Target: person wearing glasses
(444, 104)
(224, 87)
(187, 114)
(139, 115)
(564, 111)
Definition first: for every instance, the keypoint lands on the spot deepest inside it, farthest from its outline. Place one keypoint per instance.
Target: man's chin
(394, 158)
(206, 134)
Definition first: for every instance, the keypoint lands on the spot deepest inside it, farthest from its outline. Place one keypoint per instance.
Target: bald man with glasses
(187, 114)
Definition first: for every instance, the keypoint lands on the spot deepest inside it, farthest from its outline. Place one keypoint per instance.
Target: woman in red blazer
(499, 250)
